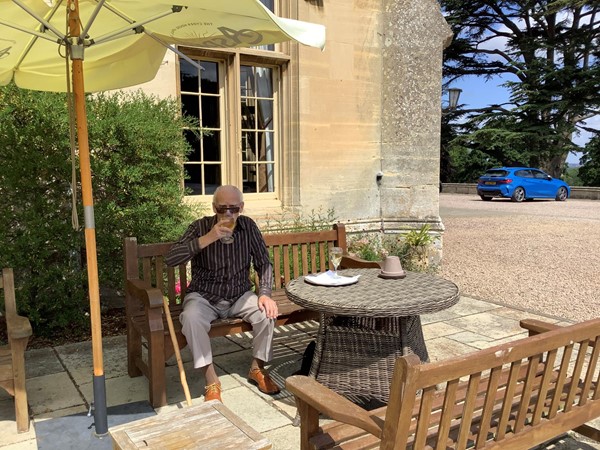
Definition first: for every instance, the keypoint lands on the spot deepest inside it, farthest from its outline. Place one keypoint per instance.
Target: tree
(136, 149)
(589, 172)
(551, 51)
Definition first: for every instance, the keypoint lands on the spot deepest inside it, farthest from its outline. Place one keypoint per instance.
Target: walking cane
(186, 389)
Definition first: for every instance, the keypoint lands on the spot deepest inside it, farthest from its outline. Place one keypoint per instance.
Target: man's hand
(268, 305)
(221, 229)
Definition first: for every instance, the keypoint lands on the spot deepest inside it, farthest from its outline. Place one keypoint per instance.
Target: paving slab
(8, 426)
(77, 431)
(52, 392)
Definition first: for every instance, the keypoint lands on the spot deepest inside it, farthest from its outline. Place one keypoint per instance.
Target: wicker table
(366, 326)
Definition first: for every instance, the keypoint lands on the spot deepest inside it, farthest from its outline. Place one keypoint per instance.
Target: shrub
(136, 146)
(412, 248)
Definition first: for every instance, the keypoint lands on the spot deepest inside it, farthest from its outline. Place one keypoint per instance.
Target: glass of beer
(231, 225)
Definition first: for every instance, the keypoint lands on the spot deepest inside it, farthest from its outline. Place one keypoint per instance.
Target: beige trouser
(198, 313)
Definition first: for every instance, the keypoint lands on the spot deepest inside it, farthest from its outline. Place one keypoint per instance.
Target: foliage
(288, 222)
(137, 148)
(571, 176)
(589, 172)
(135, 144)
(412, 248)
(548, 52)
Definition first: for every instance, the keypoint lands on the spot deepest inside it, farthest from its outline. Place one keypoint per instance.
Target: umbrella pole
(100, 415)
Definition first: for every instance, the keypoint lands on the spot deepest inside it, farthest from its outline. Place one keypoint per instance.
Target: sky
(478, 93)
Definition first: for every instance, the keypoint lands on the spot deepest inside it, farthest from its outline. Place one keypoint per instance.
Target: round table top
(372, 296)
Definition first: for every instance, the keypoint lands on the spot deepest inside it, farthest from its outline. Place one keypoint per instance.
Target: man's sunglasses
(224, 209)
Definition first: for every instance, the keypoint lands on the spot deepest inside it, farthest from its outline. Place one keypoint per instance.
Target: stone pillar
(414, 36)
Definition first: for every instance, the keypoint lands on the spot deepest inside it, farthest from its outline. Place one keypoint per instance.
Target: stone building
(355, 127)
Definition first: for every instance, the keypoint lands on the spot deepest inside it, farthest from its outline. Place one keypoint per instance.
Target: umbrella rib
(45, 23)
(160, 41)
(86, 30)
(137, 27)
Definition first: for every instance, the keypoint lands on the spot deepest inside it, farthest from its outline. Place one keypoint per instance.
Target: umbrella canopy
(135, 31)
(123, 43)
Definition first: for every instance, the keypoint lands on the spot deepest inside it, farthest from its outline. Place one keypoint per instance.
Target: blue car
(521, 183)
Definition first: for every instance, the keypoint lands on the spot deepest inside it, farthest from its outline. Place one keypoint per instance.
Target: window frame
(231, 60)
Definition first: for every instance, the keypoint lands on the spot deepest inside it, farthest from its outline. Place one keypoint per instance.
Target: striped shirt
(221, 271)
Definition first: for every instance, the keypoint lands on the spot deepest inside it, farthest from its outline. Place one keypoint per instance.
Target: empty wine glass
(335, 256)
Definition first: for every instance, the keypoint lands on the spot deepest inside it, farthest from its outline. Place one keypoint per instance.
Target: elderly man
(221, 248)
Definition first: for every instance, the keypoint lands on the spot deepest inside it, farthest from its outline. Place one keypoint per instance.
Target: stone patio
(59, 382)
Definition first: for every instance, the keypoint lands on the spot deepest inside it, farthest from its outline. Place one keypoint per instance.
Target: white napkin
(328, 279)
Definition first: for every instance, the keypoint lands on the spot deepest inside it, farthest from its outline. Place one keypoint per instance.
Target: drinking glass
(231, 225)
(335, 256)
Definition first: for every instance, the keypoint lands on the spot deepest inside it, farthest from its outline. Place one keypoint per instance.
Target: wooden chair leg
(21, 408)
(134, 351)
(309, 423)
(156, 368)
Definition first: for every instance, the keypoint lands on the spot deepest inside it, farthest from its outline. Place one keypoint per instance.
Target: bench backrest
(293, 254)
(7, 284)
(508, 390)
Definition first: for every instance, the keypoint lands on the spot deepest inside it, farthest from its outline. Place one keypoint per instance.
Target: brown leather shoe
(261, 378)
(213, 392)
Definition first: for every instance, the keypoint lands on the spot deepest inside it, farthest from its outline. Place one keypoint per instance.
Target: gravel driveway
(542, 256)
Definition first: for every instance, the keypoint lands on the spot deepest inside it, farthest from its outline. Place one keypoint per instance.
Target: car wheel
(518, 195)
(485, 198)
(561, 194)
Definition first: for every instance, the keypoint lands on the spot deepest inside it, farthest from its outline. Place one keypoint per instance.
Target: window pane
(265, 114)
(212, 174)
(248, 114)
(268, 4)
(190, 107)
(193, 178)
(212, 146)
(194, 142)
(210, 77)
(248, 146)
(188, 75)
(210, 111)
(249, 177)
(265, 146)
(247, 81)
(266, 178)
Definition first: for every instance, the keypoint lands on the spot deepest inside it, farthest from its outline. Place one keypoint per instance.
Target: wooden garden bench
(12, 355)
(511, 396)
(147, 279)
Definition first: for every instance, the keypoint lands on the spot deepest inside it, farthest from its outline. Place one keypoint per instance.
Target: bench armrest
(150, 297)
(20, 327)
(353, 262)
(336, 407)
(537, 326)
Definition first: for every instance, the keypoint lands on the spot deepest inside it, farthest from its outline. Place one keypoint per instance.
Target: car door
(524, 178)
(541, 184)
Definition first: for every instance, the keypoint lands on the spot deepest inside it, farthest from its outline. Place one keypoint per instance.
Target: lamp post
(445, 166)
(453, 96)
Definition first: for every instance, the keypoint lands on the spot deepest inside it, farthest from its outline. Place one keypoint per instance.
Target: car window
(496, 173)
(539, 174)
(524, 173)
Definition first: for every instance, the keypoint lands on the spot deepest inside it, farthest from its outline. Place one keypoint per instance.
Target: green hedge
(136, 147)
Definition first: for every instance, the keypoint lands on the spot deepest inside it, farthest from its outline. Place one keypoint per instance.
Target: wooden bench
(512, 396)
(147, 279)
(12, 355)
